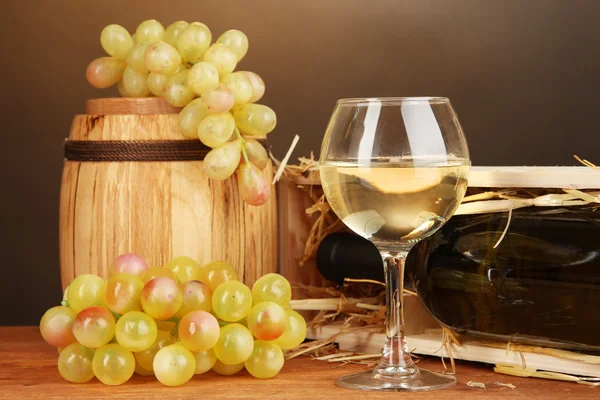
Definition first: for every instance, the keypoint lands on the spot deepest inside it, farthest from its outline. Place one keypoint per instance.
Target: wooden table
(28, 371)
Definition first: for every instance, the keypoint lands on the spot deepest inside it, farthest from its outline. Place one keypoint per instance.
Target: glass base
(423, 380)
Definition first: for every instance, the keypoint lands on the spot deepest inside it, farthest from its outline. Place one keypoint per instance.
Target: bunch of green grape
(171, 322)
(181, 65)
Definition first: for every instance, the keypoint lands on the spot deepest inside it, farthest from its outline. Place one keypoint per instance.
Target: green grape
(161, 298)
(135, 84)
(149, 31)
(136, 331)
(177, 91)
(198, 330)
(157, 82)
(146, 358)
(184, 268)
(256, 153)
(218, 99)
(143, 371)
(123, 293)
(104, 72)
(75, 363)
(129, 263)
(216, 129)
(56, 326)
(272, 287)
(190, 118)
(232, 301)
(174, 365)
(203, 76)
(60, 349)
(239, 85)
(193, 42)
(86, 291)
(94, 327)
(255, 119)
(258, 85)
(196, 296)
(222, 57)
(221, 163)
(173, 32)
(253, 186)
(157, 272)
(267, 320)
(295, 331)
(205, 360)
(227, 370)
(237, 42)
(265, 361)
(217, 272)
(162, 58)
(235, 344)
(116, 41)
(135, 58)
(113, 364)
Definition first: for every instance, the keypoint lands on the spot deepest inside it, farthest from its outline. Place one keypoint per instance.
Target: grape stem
(64, 303)
(176, 328)
(242, 144)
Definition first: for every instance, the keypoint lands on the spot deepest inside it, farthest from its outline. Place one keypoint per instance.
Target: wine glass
(394, 170)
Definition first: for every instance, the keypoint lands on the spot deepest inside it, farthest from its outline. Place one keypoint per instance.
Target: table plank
(28, 371)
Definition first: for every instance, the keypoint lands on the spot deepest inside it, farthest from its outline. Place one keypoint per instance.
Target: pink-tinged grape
(184, 268)
(116, 41)
(272, 287)
(239, 85)
(222, 57)
(258, 85)
(198, 330)
(174, 365)
(104, 72)
(295, 331)
(235, 344)
(135, 58)
(149, 31)
(221, 163)
(123, 293)
(232, 301)
(196, 296)
(267, 320)
(265, 361)
(146, 358)
(128, 263)
(94, 327)
(162, 58)
(75, 363)
(177, 91)
(193, 41)
(157, 272)
(217, 272)
(205, 360)
(143, 371)
(135, 84)
(161, 298)
(136, 331)
(253, 186)
(236, 41)
(255, 119)
(191, 116)
(56, 326)
(113, 364)
(218, 99)
(86, 291)
(203, 76)
(256, 153)
(227, 370)
(121, 89)
(173, 32)
(216, 129)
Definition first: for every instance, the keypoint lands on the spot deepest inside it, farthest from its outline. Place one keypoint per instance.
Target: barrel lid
(535, 177)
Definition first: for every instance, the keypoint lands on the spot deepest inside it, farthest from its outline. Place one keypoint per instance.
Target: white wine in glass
(394, 170)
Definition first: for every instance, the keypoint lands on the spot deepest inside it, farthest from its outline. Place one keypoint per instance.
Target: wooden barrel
(157, 209)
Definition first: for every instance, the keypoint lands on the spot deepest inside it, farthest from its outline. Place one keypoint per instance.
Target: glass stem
(396, 362)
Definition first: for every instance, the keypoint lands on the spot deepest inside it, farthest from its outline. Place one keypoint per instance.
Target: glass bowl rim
(392, 100)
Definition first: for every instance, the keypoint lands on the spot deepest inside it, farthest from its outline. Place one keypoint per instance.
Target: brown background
(522, 74)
